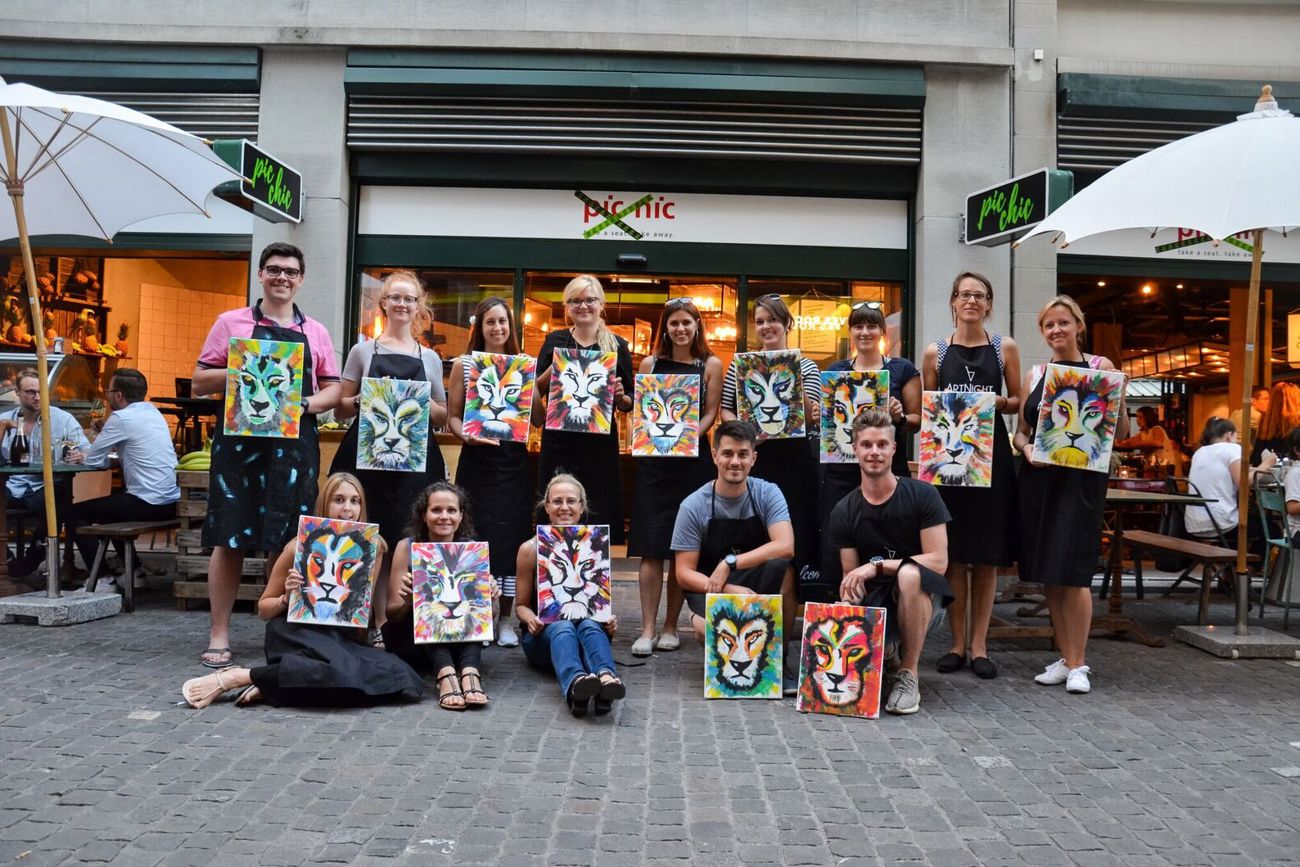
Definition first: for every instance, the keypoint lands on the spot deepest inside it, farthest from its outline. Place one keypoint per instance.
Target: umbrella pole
(14, 186)
(1247, 386)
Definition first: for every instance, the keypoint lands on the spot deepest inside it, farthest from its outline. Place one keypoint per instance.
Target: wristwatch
(730, 560)
(876, 561)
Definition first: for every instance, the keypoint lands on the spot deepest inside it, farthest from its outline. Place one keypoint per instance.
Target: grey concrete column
(303, 121)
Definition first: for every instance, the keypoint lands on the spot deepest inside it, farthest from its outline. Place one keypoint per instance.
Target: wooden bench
(128, 532)
(1202, 554)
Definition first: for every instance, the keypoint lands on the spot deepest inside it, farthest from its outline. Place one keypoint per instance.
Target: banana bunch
(200, 460)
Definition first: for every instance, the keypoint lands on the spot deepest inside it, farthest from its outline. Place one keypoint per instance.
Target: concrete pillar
(303, 121)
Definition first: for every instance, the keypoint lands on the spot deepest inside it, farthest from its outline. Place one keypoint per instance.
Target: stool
(128, 532)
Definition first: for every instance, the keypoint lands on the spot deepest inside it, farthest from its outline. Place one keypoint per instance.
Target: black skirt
(985, 527)
(1061, 520)
(500, 497)
(661, 485)
(320, 666)
(791, 465)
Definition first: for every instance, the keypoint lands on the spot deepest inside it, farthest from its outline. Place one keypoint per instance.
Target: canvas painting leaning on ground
(742, 646)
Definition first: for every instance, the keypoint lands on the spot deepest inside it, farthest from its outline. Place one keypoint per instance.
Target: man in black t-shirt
(892, 536)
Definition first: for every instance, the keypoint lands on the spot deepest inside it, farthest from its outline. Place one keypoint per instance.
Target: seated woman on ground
(440, 514)
(312, 666)
(578, 651)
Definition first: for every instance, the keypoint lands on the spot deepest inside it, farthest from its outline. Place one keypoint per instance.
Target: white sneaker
(1078, 680)
(1054, 674)
(507, 638)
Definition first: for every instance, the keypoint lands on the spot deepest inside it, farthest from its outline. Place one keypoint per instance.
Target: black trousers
(111, 509)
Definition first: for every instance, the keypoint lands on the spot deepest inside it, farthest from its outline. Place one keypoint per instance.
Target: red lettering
(665, 210)
(587, 213)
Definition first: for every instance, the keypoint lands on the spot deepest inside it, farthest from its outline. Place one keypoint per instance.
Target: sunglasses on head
(874, 305)
(771, 296)
(674, 303)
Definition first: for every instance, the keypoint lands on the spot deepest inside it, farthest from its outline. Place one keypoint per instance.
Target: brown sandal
(473, 690)
(447, 700)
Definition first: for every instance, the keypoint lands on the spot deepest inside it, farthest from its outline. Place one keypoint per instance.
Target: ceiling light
(1147, 289)
(1101, 284)
(1178, 286)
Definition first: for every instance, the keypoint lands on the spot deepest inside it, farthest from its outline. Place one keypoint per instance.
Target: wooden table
(7, 586)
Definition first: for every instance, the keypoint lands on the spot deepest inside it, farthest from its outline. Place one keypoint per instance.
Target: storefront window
(821, 313)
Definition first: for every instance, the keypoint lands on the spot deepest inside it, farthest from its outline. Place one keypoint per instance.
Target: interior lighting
(1101, 284)
(1147, 289)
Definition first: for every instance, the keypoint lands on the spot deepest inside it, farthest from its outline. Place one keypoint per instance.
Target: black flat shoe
(602, 706)
(949, 662)
(581, 691)
(984, 667)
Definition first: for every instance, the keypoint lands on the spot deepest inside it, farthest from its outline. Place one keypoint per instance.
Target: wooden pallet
(192, 558)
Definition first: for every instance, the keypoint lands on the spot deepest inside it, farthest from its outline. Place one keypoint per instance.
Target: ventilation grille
(207, 115)
(717, 130)
(1101, 144)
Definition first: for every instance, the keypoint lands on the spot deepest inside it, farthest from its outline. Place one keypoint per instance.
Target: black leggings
(399, 638)
(465, 654)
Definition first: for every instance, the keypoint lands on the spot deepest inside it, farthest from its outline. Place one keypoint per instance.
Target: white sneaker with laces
(1078, 680)
(1054, 674)
(507, 638)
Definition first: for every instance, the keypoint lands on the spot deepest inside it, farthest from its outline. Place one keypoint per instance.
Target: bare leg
(651, 579)
(200, 692)
(506, 604)
(789, 604)
(1052, 596)
(223, 584)
(1076, 615)
(914, 610)
(959, 579)
(675, 601)
(697, 626)
(983, 586)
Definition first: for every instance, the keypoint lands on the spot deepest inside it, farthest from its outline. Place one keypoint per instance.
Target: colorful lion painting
(845, 393)
(1077, 418)
(842, 660)
(957, 438)
(263, 388)
(581, 399)
(573, 572)
(337, 560)
(769, 392)
(742, 646)
(666, 419)
(393, 425)
(452, 586)
(499, 396)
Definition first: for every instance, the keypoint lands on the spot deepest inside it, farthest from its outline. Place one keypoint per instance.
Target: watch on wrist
(730, 560)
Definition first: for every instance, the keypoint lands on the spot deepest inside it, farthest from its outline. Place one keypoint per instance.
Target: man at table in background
(139, 434)
(1259, 402)
(260, 485)
(20, 443)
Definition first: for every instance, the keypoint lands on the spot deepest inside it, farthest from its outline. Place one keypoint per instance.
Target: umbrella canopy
(79, 166)
(1240, 177)
(91, 167)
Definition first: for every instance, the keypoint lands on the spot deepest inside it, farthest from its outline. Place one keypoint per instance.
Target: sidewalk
(1175, 758)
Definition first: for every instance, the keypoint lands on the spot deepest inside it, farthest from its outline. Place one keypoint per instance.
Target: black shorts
(883, 593)
(764, 580)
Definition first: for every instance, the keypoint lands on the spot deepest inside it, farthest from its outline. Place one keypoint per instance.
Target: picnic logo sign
(996, 214)
(610, 217)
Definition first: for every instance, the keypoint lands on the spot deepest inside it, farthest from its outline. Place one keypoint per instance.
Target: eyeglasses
(972, 296)
(30, 392)
(582, 302)
(276, 271)
(568, 501)
(113, 391)
(403, 300)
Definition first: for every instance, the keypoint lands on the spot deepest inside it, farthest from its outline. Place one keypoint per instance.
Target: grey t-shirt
(359, 362)
(693, 516)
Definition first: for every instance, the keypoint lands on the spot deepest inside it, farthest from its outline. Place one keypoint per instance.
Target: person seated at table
(1291, 487)
(312, 666)
(578, 651)
(892, 536)
(1216, 468)
(1152, 438)
(20, 443)
(139, 434)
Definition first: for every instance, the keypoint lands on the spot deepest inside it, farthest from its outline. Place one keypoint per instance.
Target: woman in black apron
(662, 483)
(791, 464)
(494, 474)
(395, 354)
(984, 529)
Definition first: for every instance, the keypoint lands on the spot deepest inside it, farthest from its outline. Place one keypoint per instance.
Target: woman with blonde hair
(306, 665)
(592, 458)
(396, 354)
(1061, 507)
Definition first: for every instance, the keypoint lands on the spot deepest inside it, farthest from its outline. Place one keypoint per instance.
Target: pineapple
(121, 346)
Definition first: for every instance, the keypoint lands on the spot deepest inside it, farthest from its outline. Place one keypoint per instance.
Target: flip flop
(216, 657)
(248, 695)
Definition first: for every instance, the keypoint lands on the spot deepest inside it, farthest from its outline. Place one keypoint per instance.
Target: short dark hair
(1216, 429)
(871, 417)
(1259, 390)
(131, 383)
(1293, 441)
(866, 314)
(26, 373)
(283, 249)
(1148, 413)
(775, 306)
(737, 429)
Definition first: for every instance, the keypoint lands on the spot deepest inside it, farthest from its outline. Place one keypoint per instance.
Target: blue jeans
(570, 648)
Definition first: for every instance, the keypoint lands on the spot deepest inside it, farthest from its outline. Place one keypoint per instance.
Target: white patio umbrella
(1240, 177)
(80, 166)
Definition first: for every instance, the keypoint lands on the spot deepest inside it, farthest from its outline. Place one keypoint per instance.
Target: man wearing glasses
(20, 443)
(143, 442)
(260, 485)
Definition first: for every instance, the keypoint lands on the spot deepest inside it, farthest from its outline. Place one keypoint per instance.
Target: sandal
(449, 700)
(611, 688)
(216, 657)
(375, 637)
(249, 695)
(473, 689)
(581, 690)
(202, 701)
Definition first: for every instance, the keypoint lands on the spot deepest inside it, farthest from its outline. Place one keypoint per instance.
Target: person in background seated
(20, 443)
(139, 434)
(1216, 468)
(1259, 403)
(1291, 487)
(1151, 437)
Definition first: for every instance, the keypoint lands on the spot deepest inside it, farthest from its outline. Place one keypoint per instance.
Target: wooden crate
(192, 558)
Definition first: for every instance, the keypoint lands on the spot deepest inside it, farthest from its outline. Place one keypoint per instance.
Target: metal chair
(1271, 502)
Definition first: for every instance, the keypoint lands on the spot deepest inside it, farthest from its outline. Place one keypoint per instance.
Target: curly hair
(418, 530)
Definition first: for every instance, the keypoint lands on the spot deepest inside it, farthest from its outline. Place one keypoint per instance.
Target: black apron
(389, 495)
(726, 536)
(259, 486)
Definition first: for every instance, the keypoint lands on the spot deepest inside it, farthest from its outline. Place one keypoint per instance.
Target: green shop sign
(270, 189)
(998, 214)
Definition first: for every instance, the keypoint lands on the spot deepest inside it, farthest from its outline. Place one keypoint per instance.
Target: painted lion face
(501, 397)
(584, 398)
(741, 644)
(264, 383)
(771, 393)
(336, 574)
(849, 398)
(665, 415)
(455, 593)
(1078, 425)
(393, 431)
(574, 563)
(954, 446)
(838, 653)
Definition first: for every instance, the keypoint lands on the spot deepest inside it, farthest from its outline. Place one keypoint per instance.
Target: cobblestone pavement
(1175, 758)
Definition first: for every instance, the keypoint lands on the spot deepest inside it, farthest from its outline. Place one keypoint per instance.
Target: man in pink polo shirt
(260, 485)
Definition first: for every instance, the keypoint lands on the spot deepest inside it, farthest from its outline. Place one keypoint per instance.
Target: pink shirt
(239, 323)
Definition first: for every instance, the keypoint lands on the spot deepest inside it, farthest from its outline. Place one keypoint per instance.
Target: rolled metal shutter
(207, 115)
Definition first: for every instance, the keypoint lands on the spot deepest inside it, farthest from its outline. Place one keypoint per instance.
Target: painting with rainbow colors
(1078, 417)
(263, 388)
(842, 660)
(451, 583)
(666, 415)
(580, 399)
(769, 392)
(573, 572)
(498, 396)
(743, 646)
(957, 438)
(338, 561)
(845, 393)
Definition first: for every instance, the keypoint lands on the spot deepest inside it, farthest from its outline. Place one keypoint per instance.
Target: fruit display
(15, 321)
(200, 460)
(47, 321)
(121, 346)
